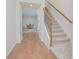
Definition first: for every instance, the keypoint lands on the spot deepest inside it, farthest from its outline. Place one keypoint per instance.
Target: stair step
(59, 35)
(59, 38)
(59, 41)
(56, 27)
(54, 21)
(57, 31)
(55, 24)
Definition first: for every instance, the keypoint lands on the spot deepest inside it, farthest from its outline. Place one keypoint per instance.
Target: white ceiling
(27, 5)
(29, 12)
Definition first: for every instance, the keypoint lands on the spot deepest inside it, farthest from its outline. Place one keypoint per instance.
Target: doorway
(29, 21)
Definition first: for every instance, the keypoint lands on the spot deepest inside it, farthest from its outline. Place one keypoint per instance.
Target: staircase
(57, 24)
(58, 33)
(60, 40)
(61, 43)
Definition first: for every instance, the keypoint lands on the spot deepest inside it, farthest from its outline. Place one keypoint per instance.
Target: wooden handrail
(60, 12)
(46, 13)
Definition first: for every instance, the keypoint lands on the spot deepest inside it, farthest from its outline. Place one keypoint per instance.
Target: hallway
(31, 48)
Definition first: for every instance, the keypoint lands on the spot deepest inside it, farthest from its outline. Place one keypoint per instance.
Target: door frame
(19, 35)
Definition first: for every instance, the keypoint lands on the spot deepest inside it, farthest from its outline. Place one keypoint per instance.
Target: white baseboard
(10, 49)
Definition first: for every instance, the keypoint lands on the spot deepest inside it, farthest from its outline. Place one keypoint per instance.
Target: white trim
(47, 37)
(19, 35)
(11, 49)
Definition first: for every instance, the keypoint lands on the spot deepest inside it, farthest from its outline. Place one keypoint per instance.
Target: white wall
(10, 25)
(43, 34)
(65, 6)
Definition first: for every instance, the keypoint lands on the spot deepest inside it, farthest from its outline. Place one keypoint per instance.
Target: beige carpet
(31, 48)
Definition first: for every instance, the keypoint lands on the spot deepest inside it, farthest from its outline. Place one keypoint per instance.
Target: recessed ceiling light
(31, 5)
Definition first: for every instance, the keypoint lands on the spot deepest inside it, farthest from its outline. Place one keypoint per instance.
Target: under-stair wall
(43, 34)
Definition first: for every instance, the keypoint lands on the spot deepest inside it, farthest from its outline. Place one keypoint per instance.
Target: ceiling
(30, 5)
(29, 12)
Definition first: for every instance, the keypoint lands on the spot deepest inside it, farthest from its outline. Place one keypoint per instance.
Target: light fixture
(31, 5)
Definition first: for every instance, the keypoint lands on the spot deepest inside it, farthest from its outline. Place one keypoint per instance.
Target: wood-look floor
(31, 48)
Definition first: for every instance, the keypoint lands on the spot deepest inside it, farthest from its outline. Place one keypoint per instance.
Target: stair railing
(59, 11)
